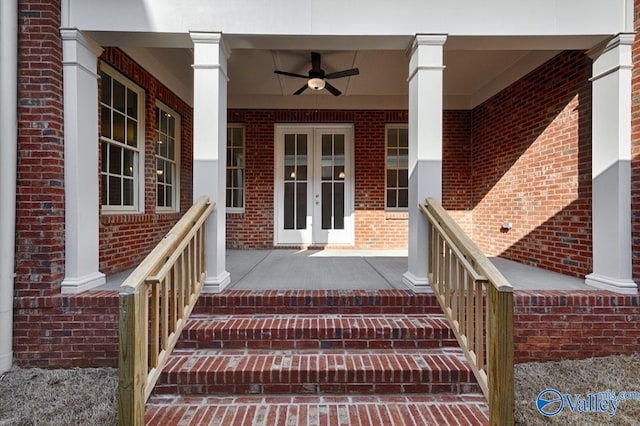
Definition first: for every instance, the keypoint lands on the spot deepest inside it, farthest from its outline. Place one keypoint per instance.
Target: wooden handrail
(478, 302)
(155, 303)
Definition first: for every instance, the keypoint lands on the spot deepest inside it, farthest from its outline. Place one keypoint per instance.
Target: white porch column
(209, 147)
(80, 79)
(425, 148)
(611, 174)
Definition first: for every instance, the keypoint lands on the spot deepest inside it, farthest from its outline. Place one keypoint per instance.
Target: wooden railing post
(478, 302)
(132, 372)
(148, 334)
(500, 341)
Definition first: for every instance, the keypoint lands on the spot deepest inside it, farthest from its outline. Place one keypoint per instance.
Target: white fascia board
(354, 17)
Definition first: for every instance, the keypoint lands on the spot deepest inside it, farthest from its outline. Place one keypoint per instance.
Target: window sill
(133, 218)
(396, 215)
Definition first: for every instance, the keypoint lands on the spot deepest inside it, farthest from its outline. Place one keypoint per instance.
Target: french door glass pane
(295, 185)
(338, 205)
(327, 198)
(301, 206)
(289, 205)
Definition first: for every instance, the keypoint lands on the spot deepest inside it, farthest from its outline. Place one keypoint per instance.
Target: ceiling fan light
(315, 83)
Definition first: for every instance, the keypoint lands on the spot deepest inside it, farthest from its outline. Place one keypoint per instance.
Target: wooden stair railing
(478, 302)
(155, 303)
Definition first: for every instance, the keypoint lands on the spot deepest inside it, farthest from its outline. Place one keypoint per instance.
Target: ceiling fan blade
(333, 90)
(302, 89)
(345, 73)
(290, 74)
(315, 61)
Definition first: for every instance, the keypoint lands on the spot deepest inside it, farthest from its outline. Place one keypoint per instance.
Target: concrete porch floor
(345, 269)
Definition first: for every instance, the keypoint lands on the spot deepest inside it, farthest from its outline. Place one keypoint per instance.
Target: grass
(87, 396)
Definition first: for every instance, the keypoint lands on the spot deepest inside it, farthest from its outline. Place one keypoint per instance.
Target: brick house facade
(523, 156)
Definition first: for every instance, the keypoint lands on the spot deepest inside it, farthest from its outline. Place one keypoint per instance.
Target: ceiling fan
(316, 79)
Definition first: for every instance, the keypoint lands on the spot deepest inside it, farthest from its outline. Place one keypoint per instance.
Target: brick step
(391, 301)
(335, 331)
(388, 410)
(381, 371)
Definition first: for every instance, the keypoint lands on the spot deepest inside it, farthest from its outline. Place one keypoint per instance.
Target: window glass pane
(127, 192)
(114, 191)
(105, 122)
(168, 172)
(240, 201)
(392, 158)
(128, 162)
(115, 160)
(105, 89)
(392, 137)
(403, 137)
(403, 178)
(132, 104)
(230, 178)
(118, 96)
(392, 178)
(158, 113)
(132, 132)
(105, 188)
(391, 198)
(237, 136)
(169, 196)
(172, 125)
(118, 127)
(403, 198)
(171, 148)
(160, 196)
(160, 170)
(403, 159)
(235, 164)
(105, 157)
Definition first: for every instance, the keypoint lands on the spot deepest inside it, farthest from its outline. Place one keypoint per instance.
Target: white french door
(314, 185)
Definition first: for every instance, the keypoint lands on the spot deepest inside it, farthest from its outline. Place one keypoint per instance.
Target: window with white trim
(122, 143)
(167, 149)
(397, 167)
(235, 167)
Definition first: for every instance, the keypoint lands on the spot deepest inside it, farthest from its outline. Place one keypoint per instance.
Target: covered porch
(347, 269)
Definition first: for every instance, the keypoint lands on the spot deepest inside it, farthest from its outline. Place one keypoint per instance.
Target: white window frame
(397, 126)
(139, 164)
(244, 169)
(176, 176)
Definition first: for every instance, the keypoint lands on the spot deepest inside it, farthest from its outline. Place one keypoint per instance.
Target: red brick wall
(374, 228)
(531, 162)
(635, 149)
(126, 238)
(67, 331)
(556, 325)
(82, 330)
(456, 167)
(40, 166)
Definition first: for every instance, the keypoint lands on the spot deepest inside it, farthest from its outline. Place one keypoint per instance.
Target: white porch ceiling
(475, 69)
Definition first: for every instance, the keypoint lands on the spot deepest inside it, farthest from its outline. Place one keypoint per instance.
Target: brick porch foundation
(82, 330)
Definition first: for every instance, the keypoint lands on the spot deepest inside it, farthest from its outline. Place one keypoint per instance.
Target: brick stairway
(384, 357)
